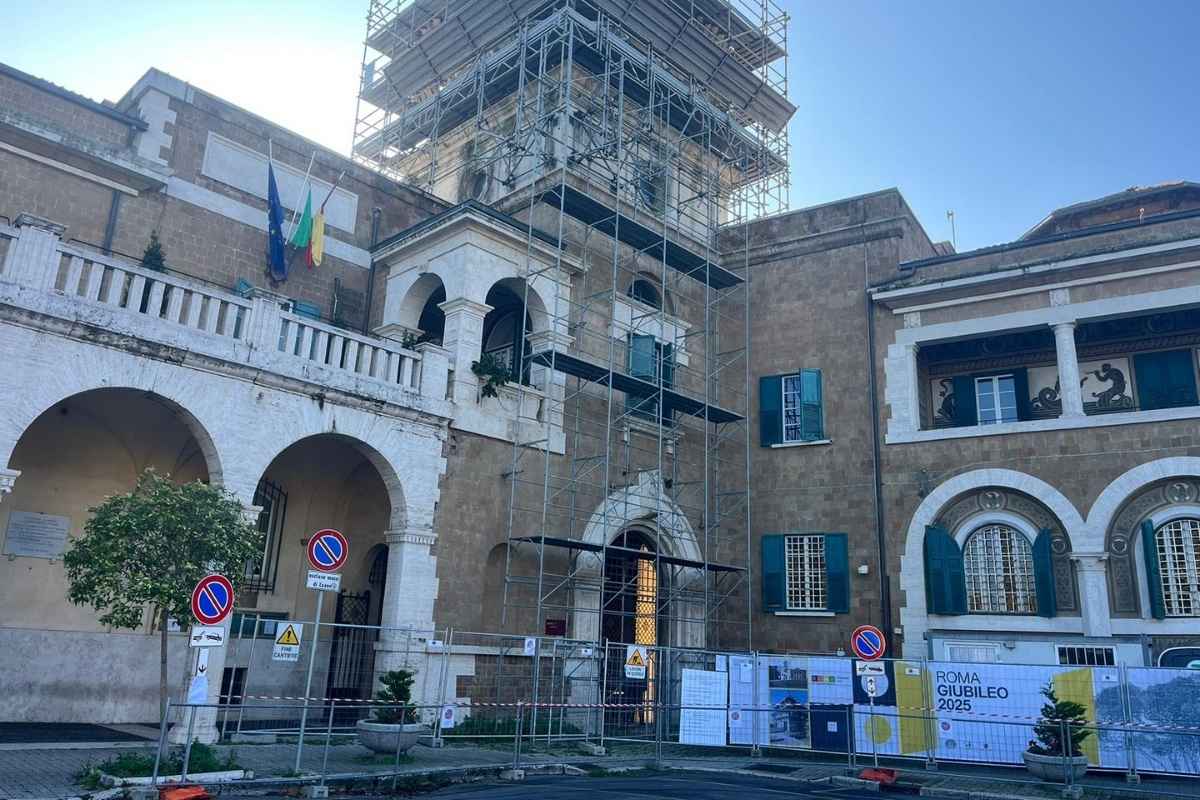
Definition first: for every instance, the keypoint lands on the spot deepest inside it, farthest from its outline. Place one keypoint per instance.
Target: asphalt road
(643, 786)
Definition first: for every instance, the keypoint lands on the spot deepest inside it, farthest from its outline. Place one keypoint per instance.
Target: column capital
(8, 477)
(410, 536)
(464, 305)
(27, 220)
(1067, 325)
(250, 514)
(1090, 562)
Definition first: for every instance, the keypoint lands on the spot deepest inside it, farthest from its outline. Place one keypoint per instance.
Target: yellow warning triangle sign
(635, 659)
(288, 637)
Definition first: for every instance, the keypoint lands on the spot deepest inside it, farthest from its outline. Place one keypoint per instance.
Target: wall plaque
(36, 535)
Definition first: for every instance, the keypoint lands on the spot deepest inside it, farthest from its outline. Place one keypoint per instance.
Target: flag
(276, 263)
(303, 231)
(316, 243)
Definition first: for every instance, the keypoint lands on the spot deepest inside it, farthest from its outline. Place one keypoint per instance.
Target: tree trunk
(162, 665)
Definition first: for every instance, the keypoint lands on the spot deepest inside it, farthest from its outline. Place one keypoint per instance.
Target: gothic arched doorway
(631, 614)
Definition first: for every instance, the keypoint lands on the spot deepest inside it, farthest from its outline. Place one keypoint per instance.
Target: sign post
(327, 550)
(868, 643)
(212, 602)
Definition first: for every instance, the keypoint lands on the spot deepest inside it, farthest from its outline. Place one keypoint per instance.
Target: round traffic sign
(212, 599)
(327, 550)
(868, 642)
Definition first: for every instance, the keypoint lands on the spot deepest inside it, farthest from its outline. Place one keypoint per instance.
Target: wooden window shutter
(812, 417)
(774, 573)
(837, 573)
(770, 410)
(945, 577)
(1158, 608)
(1021, 389)
(1043, 574)
(965, 414)
(1165, 379)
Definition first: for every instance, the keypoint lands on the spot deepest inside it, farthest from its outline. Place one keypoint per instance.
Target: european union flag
(276, 262)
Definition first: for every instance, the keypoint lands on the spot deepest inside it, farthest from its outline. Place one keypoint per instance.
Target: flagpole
(331, 188)
(299, 194)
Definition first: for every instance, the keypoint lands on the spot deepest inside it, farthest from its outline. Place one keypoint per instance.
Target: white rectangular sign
(287, 642)
(636, 657)
(869, 668)
(36, 535)
(530, 648)
(207, 636)
(324, 581)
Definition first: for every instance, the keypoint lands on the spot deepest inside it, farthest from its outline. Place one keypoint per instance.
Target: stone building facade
(1011, 516)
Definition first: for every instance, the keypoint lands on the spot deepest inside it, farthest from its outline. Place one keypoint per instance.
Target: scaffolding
(642, 138)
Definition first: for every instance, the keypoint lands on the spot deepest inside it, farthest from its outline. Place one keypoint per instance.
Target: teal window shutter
(1158, 608)
(641, 357)
(1043, 574)
(1021, 389)
(965, 414)
(812, 417)
(774, 573)
(837, 573)
(668, 366)
(945, 578)
(1165, 379)
(770, 410)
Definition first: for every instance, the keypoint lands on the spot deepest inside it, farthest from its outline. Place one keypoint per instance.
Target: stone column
(408, 598)
(8, 478)
(1068, 370)
(902, 389)
(1093, 593)
(463, 340)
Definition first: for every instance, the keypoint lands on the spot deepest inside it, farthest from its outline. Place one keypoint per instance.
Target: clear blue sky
(1001, 111)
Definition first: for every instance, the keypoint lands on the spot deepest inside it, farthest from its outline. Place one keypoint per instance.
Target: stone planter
(1055, 768)
(386, 738)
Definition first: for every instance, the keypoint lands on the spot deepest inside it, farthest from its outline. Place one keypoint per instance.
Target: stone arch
(383, 465)
(426, 286)
(42, 396)
(644, 506)
(1148, 491)
(941, 504)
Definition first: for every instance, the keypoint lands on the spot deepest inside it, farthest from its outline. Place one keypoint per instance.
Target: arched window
(645, 291)
(998, 561)
(1178, 546)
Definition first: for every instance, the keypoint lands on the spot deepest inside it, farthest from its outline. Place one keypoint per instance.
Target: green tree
(149, 548)
(1059, 717)
(154, 258)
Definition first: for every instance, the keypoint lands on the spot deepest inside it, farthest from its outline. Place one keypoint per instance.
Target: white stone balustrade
(42, 274)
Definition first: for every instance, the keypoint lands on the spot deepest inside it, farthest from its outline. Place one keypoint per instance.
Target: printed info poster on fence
(704, 702)
(986, 712)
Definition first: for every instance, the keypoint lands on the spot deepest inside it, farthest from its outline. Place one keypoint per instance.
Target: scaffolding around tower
(640, 139)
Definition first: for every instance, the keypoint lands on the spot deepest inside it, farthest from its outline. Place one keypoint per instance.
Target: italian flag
(310, 233)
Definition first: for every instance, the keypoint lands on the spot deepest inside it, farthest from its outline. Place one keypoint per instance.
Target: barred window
(1087, 656)
(1178, 546)
(999, 565)
(806, 589)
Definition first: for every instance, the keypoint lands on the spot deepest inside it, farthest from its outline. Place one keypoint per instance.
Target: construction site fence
(548, 691)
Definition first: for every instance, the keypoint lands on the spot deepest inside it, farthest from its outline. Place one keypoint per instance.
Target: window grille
(971, 653)
(1178, 546)
(261, 571)
(806, 589)
(999, 569)
(1087, 656)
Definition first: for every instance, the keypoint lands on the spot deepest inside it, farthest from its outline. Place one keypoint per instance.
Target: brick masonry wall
(63, 114)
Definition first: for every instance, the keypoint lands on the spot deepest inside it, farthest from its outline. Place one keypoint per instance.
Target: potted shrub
(394, 727)
(1055, 754)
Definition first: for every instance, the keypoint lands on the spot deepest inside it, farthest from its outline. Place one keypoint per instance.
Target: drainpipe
(885, 583)
(376, 214)
(110, 227)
